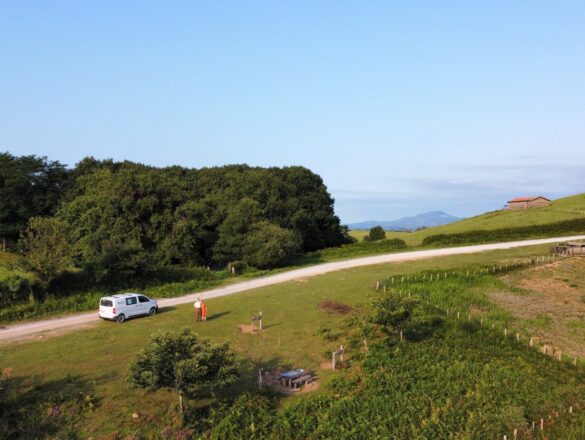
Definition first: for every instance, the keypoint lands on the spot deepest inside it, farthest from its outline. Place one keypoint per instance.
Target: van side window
(130, 301)
(143, 299)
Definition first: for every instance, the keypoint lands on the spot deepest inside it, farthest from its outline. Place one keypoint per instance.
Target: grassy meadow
(84, 372)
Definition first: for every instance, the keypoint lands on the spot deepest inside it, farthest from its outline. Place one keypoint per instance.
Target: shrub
(14, 290)
(375, 234)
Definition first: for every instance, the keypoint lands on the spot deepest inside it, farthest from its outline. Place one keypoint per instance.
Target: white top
(197, 304)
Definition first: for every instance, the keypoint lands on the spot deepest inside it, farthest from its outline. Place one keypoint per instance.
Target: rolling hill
(566, 208)
(425, 220)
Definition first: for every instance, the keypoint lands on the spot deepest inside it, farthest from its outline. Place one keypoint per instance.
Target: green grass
(7, 261)
(95, 360)
(566, 208)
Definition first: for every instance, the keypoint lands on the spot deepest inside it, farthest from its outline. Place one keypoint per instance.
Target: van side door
(132, 306)
(145, 304)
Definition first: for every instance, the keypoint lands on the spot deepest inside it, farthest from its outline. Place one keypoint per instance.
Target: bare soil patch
(246, 328)
(335, 307)
(549, 299)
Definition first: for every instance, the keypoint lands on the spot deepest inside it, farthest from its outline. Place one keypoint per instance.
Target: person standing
(203, 311)
(197, 306)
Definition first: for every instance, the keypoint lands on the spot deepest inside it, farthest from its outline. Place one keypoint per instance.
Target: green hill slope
(566, 208)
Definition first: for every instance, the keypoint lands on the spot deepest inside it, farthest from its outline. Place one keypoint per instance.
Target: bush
(375, 234)
(14, 290)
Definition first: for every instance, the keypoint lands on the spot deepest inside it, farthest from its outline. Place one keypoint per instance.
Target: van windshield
(106, 303)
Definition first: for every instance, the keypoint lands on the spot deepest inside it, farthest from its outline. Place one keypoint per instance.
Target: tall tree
(45, 247)
(268, 245)
(29, 186)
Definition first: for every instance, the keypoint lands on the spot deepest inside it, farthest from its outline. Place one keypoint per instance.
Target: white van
(126, 305)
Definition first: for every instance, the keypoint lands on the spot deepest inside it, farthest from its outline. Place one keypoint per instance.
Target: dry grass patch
(549, 300)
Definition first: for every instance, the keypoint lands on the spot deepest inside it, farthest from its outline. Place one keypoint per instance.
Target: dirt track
(58, 325)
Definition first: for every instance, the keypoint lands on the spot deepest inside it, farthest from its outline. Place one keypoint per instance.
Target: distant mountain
(426, 220)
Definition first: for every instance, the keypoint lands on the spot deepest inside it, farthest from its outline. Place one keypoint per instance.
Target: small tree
(375, 234)
(183, 363)
(45, 248)
(393, 313)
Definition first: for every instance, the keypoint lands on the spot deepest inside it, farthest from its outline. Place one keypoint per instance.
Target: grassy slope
(561, 209)
(95, 360)
(6, 266)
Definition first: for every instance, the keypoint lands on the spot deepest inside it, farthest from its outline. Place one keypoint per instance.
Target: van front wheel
(152, 311)
(120, 319)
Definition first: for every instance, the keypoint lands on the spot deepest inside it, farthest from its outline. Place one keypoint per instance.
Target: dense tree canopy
(127, 218)
(29, 186)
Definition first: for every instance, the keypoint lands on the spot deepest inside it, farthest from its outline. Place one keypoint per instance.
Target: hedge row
(361, 248)
(576, 226)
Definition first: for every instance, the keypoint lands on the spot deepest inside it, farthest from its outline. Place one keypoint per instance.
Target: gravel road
(58, 325)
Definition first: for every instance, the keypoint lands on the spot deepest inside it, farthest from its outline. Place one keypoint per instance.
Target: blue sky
(401, 107)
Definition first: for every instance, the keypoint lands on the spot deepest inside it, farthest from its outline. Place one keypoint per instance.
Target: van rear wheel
(152, 311)
(120, 319)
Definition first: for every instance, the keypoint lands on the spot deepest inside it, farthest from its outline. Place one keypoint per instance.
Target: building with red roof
(528, 202)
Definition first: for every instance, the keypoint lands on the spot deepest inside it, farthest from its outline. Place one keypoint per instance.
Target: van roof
(121, 295)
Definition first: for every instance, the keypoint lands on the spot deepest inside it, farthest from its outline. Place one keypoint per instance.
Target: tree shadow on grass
(33, 409)
(218, 315)
(420, 330)
(210, 402)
